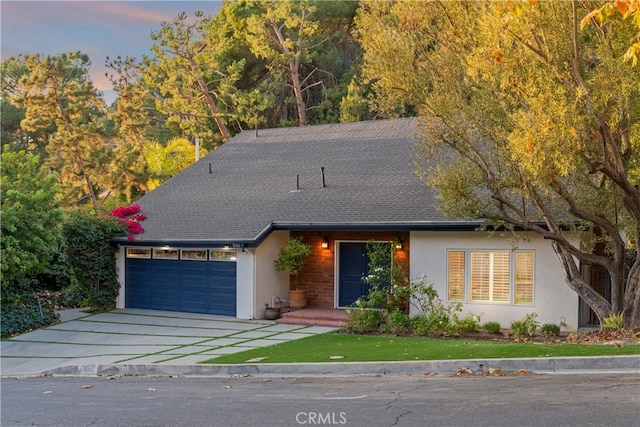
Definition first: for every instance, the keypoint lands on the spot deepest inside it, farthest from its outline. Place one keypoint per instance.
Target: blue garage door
(188, 285)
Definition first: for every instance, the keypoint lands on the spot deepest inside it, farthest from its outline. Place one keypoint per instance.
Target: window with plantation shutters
(490, 276)
(523, 281)
(455, 275)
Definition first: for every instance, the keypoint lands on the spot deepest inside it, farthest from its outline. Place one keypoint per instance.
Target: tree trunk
(590, 296)
(297, 90)
(632, 297)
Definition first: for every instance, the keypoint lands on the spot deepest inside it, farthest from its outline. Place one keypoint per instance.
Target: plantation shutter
(500, 276)
(480, 276)
(523, 278)
(456, 274)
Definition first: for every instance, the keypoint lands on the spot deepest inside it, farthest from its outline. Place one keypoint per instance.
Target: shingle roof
(246, 187)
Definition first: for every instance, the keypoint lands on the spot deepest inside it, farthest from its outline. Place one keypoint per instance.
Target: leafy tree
(133, 115)
(528, 122)
(17, 138)
(58, 96)
(191, 77)
(283, 34)
(629, 9)
(165, 161)
(30, 216)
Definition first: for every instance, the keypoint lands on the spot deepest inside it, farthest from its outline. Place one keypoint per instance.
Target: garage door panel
(181, 285)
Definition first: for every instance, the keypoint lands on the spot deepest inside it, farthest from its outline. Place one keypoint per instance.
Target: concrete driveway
(139, 337)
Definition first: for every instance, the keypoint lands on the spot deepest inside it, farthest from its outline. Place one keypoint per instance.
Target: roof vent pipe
(322, 174)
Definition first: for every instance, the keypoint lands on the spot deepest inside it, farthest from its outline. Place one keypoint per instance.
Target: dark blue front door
(353, 268)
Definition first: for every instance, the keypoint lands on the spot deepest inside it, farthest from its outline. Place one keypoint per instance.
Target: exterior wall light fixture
(399, 243)
(325, 243)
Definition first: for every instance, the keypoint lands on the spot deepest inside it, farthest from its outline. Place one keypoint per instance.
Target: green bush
(22, 312)
(614, 322)
(71, 297)
(526, 326)
(396, 323)
(92, 258)
(493, 327)
(468, 323)
(363, 320)
(420, 325)
(550, 329)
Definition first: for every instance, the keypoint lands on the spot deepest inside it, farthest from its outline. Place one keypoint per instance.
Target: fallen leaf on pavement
(86, 386)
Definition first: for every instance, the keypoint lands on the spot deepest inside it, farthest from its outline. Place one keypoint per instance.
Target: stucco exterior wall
(268, 281)
(553, 300)
(245, 289)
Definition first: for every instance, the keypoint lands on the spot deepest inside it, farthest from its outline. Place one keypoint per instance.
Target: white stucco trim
(245, 284)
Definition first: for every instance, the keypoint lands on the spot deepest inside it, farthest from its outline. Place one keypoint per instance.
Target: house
(213, 231)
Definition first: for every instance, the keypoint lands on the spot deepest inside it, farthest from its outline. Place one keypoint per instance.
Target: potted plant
(291, 259)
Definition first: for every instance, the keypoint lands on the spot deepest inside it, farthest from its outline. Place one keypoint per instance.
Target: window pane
(500, 280)
(490, 278)
(138, 253)
(523, 278)
(456, 275)
(480, 276)
(165, 253)
(191, 254)
(222, 255)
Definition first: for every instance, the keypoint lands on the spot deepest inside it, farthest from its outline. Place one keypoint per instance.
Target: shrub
(493, 327)
(468, 323)
(614, 322)
(420, 325)
(22, 312)
(396, 323)
(526, 326)
(92, 258)
(550, 329)
(363, 320)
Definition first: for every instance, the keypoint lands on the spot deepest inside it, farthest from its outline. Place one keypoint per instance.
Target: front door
(353, 265)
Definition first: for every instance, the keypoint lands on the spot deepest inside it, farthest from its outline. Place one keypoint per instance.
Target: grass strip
(339, 347)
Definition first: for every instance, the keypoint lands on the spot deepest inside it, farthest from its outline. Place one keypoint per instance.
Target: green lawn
(338, 347)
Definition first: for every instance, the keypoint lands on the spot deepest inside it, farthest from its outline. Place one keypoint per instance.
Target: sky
(96, 28)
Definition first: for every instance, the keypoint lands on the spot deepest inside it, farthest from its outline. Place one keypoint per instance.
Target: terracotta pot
(298, 299)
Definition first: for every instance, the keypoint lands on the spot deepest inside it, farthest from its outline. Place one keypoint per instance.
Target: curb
(569, 365)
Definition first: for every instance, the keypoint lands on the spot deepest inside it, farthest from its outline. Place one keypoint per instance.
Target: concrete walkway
(83, 342)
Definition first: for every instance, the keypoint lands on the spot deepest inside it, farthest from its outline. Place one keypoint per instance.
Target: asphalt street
(418, 400)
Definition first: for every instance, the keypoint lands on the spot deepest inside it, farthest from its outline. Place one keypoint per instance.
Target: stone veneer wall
(318, 273)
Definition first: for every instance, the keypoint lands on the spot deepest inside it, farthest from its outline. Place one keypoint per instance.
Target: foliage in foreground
(30, 216)
(25, 311)
(92, 257)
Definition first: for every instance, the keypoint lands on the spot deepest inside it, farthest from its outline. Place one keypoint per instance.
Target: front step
(312, 322)
(316, 317)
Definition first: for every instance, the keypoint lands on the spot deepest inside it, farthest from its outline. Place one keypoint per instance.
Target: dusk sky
(97, 28)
